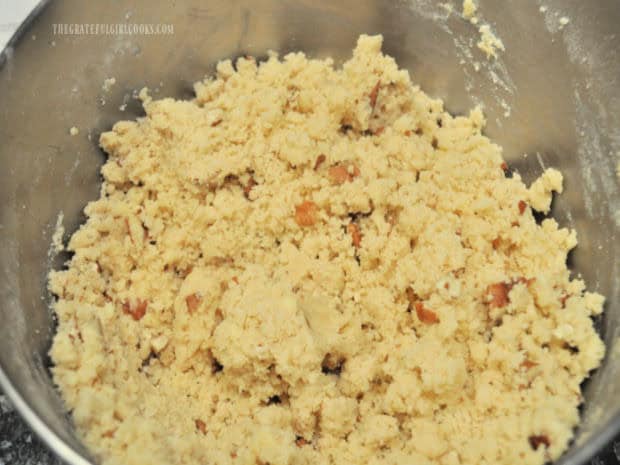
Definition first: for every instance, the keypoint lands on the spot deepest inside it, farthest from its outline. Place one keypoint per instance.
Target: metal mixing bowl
(554, 95)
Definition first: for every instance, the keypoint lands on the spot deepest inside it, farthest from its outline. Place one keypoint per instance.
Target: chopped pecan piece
(523, 280)
(496, 243)
(537, 440)
(527, 364)
(201, 426)
(306, 213)
(343, 172)
(504, 166)
(220, 261)
(183, 272)
(498, 293)
(193, 302)
(106, 296)
(356, 235)
(140, 310)
(319, 161)
(248, 187)
(128, 230)
(374, 93)
(332, 365)
(216, 366)
(425, 315)
(137, 311)
(412, 297)
(300, 442)
(522, 207)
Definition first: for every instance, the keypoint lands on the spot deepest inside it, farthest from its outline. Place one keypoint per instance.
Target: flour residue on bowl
(596, 127)
(57, 245)
(489, 42)
(502, 88)
(555, 20)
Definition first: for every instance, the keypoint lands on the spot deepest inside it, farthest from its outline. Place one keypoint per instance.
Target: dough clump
(309, 265)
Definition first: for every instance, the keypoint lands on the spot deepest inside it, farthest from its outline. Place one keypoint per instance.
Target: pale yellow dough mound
(306, 265)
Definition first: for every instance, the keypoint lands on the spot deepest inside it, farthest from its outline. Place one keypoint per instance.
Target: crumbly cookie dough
(306, 265)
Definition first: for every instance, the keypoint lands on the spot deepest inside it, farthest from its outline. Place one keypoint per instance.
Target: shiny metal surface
(553, 95)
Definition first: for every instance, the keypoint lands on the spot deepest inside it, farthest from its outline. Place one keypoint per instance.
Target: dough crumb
(74, 131)
(489, 43)
(541, 190)
(108, 83)
(144, 96)
(469, 11)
